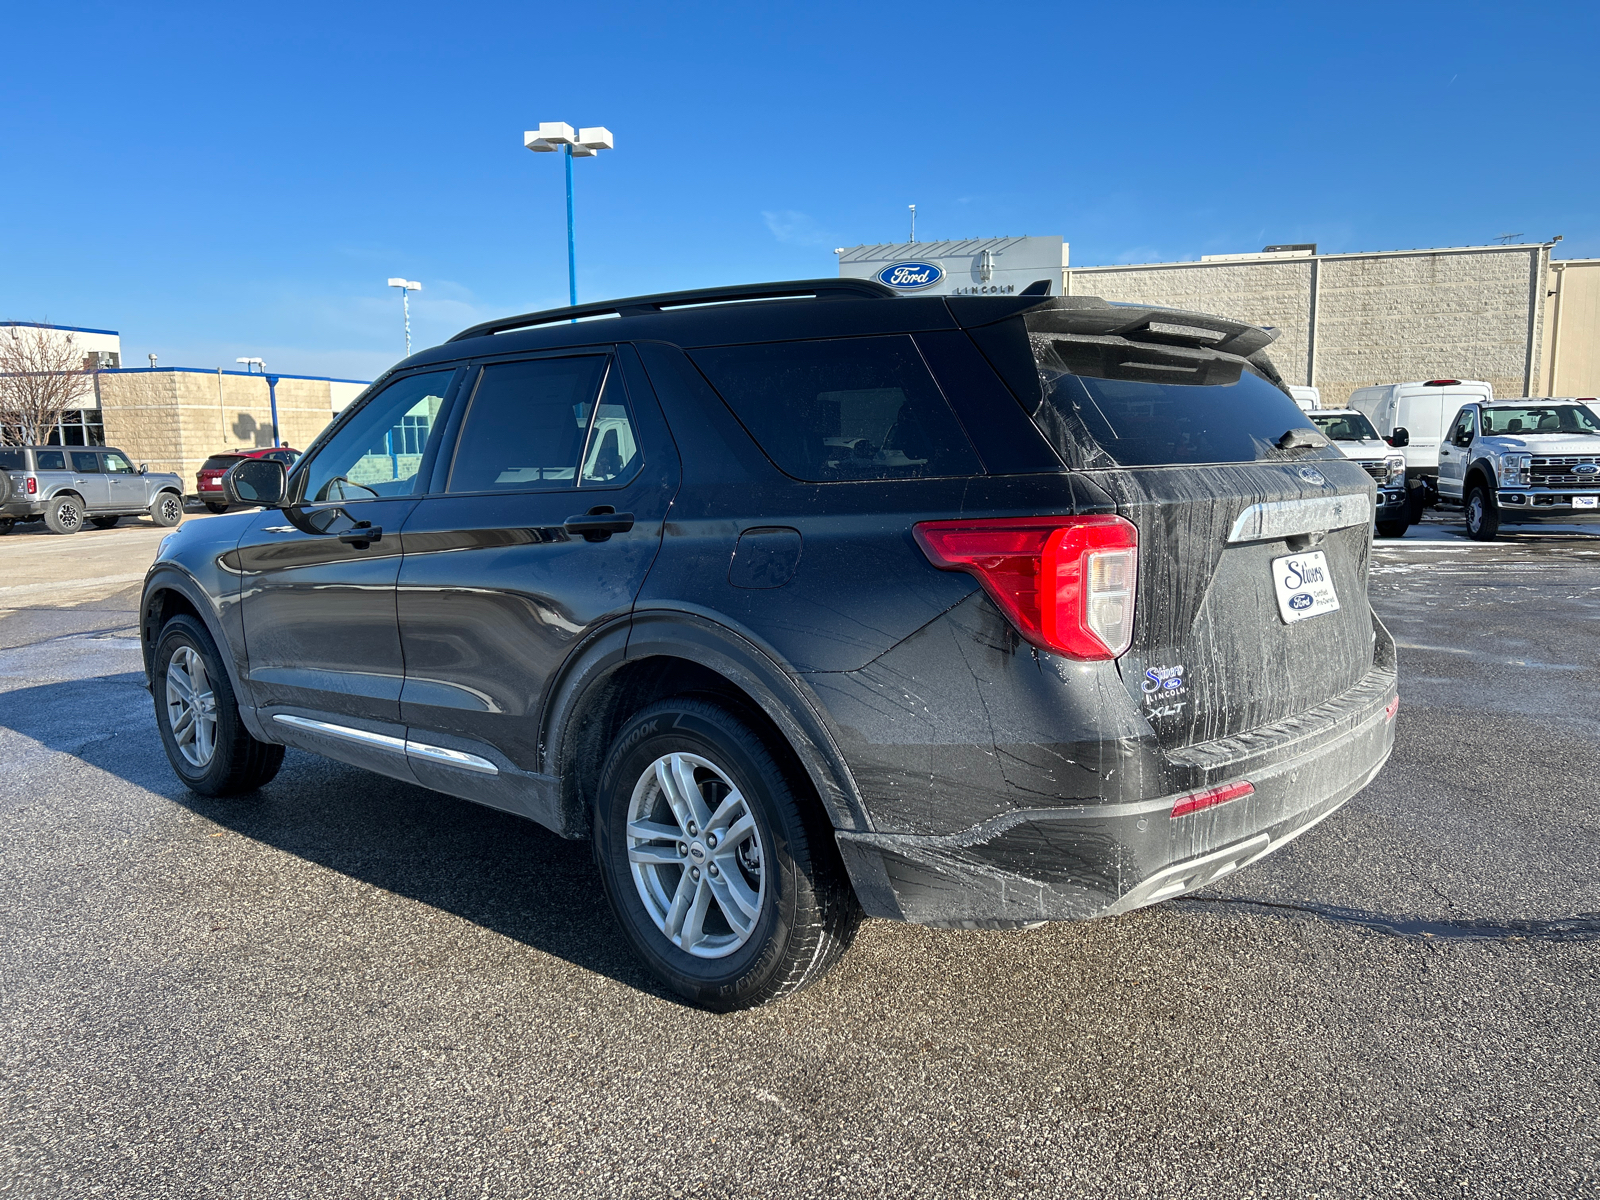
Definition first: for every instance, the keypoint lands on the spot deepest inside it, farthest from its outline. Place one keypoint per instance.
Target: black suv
(806, 600)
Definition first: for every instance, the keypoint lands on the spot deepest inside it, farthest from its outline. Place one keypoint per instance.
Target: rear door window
(86, 462)
(526, 425)
(843, 409)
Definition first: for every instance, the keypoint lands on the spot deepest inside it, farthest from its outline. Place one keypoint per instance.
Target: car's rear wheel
(7, 524)
(1483, 515)
(216, 506)
(205, 738)
(104, 522)
(64, 514)
(167, 510)
(723, 877)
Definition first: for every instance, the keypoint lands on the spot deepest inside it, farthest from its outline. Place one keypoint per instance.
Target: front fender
(218, 610)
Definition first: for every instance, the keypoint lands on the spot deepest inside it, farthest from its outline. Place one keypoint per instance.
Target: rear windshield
(848, 408)
(13, 460)
(220, 462)
(1143, 405)
(1543, 418)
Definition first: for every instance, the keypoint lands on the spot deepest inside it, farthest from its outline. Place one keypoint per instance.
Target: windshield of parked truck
(1344, 427)
(1541, 419)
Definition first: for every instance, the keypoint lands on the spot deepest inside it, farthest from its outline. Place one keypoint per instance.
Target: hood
(1562, 445)
(1365, 449)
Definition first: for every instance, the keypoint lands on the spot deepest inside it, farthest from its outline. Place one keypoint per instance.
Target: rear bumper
(22, 510)
(1097, 860)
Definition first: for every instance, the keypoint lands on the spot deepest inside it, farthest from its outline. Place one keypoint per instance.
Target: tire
(215, 507)
(104, 522)
(780, 879)
(64, 514)
(6, 525)
(1483, 514)
(1393, 529)
(5, 486)
(1417, 493)
(215, 758)
(167, 509)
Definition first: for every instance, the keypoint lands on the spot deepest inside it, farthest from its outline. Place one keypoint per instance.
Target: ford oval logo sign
(1301, 601)
(910, 276)
(1312, 475)
(1585, 469)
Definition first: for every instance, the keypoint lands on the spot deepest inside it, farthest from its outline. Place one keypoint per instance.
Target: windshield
(1344, 427)
(1541, 419)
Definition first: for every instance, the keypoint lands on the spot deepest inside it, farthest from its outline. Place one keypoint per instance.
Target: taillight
(33, 486)
(1211, 797)
(1066, 583)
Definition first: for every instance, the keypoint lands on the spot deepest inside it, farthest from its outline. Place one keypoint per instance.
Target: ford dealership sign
(909, 276)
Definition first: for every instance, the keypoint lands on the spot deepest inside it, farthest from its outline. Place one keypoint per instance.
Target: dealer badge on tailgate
(1304, 585)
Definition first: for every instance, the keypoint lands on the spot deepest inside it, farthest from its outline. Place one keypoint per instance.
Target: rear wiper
(1302, 439)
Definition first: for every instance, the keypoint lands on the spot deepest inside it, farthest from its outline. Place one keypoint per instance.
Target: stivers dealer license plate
(1304, 585)
(1585, 501)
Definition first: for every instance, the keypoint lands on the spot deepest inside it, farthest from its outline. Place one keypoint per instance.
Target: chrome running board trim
(1275, 519)
(382, 741)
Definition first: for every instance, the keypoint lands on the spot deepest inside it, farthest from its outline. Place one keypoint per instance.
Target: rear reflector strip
(1391, 708)
(1211, 797)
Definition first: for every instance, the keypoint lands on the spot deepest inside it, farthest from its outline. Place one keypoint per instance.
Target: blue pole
(272, 393)
(572, 251)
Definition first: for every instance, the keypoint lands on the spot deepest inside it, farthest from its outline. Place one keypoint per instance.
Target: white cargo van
(1422, 409)
(1308, 398)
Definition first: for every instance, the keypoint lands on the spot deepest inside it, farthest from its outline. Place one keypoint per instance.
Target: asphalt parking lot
(349, 987)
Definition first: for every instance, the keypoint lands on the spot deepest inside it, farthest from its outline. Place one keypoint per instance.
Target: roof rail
(638, 306)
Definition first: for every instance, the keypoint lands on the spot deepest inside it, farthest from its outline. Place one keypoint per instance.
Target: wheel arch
(1481, 470)
(170, 591)
(667, 654)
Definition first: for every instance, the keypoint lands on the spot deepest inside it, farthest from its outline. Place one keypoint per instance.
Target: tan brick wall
(1274, 292)
(1380, 318)
(1572, 330)
(175, 420)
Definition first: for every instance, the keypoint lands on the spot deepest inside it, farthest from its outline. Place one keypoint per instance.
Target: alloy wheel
(695, 852)
(171, 511)
(68, 515)
(191, 707)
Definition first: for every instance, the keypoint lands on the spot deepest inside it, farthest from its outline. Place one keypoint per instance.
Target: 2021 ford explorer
(804, 601)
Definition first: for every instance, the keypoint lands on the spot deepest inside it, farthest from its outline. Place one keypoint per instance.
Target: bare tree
(43, 373)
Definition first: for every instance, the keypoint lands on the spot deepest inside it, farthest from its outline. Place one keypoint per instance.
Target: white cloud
(794, 228)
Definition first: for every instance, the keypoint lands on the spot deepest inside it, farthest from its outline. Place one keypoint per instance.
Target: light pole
(272, 391)
(406, 286)
(586, 143)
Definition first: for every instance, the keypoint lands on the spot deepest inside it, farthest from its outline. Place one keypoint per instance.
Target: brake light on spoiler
(1066, 583)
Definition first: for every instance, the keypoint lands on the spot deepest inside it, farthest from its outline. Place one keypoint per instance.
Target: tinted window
(87, 462)
(13, 460)
(526, 425)
(1215, 410)
(50, 460)
(378, 452)
(117, 465)
(219, 462)
(862, 408)
(613, 453)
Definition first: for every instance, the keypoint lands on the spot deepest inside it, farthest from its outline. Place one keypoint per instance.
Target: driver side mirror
(143, 467)
(255, 481)
(1400, 438)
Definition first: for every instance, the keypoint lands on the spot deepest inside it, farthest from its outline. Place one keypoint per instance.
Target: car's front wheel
(1393, 529)
(64, 515)
(104, 522)
(167, 510)
(724, 879)
(1483, 515)
(216, 506)
(205, 738)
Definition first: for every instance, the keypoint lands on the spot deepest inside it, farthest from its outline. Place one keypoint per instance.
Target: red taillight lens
(33, 486)
(1195, 801)
(1066, 583)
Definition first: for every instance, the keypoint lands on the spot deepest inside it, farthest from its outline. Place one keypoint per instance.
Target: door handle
(599, 523)
(362, 536)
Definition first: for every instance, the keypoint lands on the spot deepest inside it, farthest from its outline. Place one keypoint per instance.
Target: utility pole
(585, 143)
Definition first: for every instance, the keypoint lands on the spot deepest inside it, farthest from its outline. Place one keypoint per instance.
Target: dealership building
(174, 418)
(1508, 315)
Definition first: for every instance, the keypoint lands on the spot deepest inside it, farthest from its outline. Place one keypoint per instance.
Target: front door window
(379, 453)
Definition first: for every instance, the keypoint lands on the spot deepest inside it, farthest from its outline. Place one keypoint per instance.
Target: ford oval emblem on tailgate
(909, 276)
(1312, 475)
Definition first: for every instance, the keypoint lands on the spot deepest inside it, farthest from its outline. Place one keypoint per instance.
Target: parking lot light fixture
(553, 136)
(406, 286)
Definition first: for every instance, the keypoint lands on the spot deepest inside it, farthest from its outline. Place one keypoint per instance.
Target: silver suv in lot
(64, 486)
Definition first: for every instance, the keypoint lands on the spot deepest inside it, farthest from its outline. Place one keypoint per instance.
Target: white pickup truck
(1521, 461)
(1358, 441)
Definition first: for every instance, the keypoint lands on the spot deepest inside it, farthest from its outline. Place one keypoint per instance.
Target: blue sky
(222, 180)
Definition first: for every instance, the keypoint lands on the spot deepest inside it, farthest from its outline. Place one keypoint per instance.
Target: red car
(208, 481)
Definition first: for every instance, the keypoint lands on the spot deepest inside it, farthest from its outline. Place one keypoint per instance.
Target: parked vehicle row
(975, 611)
(66, 486)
